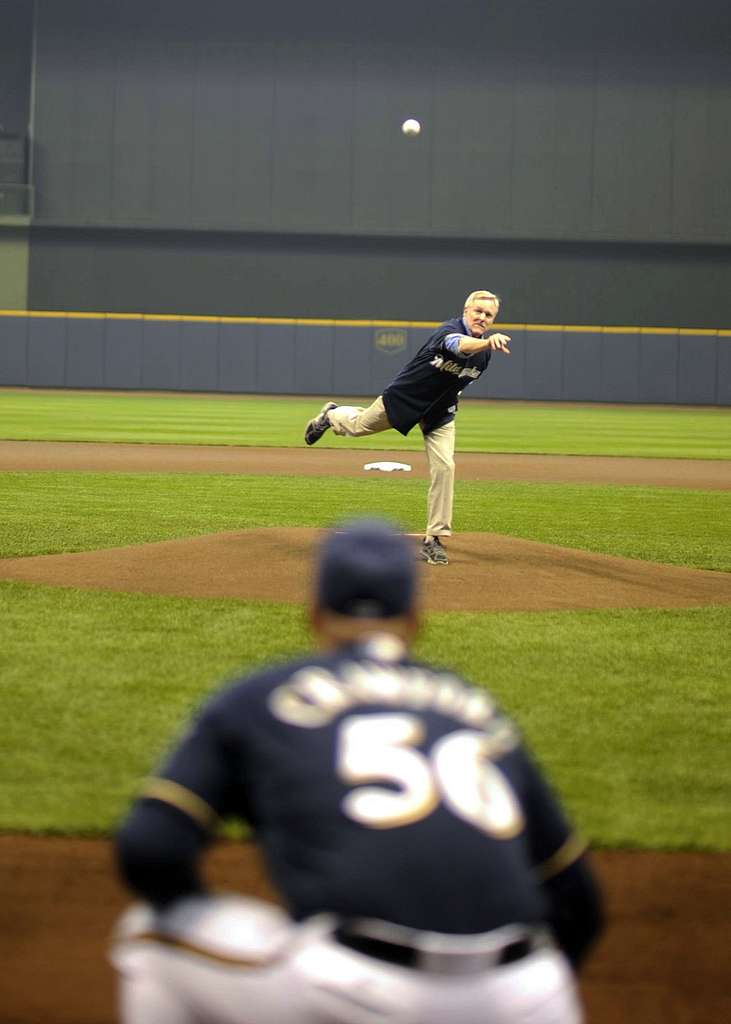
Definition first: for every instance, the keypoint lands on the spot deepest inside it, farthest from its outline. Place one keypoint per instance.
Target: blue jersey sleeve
(198, 777)
(552, 843)
(452, 342)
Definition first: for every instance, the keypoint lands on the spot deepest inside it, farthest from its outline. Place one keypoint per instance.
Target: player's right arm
(158, 850)
(576, 913)
(159, 845)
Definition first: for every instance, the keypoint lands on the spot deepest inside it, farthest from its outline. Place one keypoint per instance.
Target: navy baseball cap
(366, 569)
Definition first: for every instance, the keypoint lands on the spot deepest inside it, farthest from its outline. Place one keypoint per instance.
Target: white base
(389, 467)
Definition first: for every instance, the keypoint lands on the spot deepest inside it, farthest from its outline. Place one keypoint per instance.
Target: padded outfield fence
(260, 355)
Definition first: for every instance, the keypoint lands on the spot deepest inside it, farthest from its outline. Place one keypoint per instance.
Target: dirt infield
(663, 957)
(699, 474)
(486, 572)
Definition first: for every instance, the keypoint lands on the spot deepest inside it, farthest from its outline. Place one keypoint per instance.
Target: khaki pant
(355, 421)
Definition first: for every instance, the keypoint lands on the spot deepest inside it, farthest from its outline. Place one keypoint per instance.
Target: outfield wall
(237, 157)
(339, 357)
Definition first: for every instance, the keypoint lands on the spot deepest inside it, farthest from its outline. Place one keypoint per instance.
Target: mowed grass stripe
(625, 708)
(482, 426)
(95, 686)
(46, 513)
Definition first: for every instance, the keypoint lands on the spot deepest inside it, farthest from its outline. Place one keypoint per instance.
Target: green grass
(626, 709)
(95, 686)
(42, 513)
(483, 426)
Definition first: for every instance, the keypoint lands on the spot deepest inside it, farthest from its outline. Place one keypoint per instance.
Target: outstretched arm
(494, 342)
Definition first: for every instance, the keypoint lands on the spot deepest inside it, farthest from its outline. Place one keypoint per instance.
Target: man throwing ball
(427, 391)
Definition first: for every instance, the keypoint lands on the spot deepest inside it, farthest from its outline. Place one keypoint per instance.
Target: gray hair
(476, 296)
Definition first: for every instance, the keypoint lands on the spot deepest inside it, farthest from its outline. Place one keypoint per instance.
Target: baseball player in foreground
(427, 872)
(427, 391)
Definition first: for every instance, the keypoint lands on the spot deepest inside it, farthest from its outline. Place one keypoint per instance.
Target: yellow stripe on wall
(323, 322)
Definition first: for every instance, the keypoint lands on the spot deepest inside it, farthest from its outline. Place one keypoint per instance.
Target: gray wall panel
(620, 367)
(658, 380)
(134, 138)
(215, 135)
(16, 18)
(312, 168)
(171, 96)
(199, 356)
(53, 149)
(313, 359)
(352, 359)
(581, 365)
(391, 174)
(46, 351)
(632, 149)
(702, 153)
(253, 138)
(387, 360)
(85, 352)
(543, 363)
(697, 368)
(418, 336)
(506, 377)
(552, 152)
(90, 200)
(123, 353)
(481, 110)
(13, 350)
(238, 350)
(160, 354)
(723, 394)
(276, 353)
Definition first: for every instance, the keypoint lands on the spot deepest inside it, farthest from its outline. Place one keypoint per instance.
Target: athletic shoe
(317, 427)
(432, 551)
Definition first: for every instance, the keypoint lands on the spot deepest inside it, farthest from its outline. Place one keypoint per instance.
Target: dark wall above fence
(234, 274)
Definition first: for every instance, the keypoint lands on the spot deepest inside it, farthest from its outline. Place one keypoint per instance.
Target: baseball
(411, 126)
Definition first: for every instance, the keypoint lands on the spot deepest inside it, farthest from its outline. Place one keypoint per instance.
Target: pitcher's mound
(487, 572)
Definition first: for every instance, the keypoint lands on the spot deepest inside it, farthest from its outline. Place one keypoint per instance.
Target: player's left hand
(499, 342)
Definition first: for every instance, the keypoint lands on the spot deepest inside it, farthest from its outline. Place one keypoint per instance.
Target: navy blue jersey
(376, 786)
(427, 389)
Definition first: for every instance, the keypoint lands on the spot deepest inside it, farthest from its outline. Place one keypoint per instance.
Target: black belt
(408, 956)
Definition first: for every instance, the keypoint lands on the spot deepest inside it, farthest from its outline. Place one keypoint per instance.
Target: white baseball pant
(232, 960)
(356, 421)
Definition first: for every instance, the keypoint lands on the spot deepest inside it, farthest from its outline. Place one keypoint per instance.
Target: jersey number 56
(457, 771)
